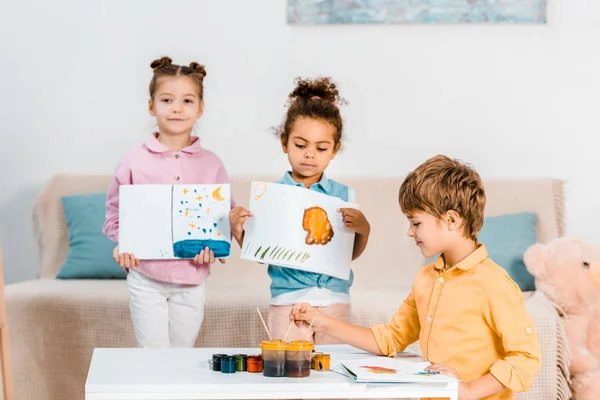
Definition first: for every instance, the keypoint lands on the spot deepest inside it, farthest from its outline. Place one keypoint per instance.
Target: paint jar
(273, 355)
(240, 362)
(255, 364)
(321, 362)
(297, 358)
(312, 359)
(216, 361)
(228, 365)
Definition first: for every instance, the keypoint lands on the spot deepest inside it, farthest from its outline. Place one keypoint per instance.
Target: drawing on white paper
(298, 228)
(316, 223)
(174, 221)
(390, 370)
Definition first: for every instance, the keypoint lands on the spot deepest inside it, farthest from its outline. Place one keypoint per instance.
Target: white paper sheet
(298, 228)
(385, 369)
(174, 221)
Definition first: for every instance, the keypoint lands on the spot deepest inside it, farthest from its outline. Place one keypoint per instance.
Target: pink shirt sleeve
(122, 176)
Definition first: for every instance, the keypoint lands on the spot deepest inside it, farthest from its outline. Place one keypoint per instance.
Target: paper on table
(391, 370)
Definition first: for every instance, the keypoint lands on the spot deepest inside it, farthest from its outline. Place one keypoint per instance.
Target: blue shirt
(284, 279)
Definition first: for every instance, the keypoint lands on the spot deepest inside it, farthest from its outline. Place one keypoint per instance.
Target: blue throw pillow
(506, 238)
(90, 251)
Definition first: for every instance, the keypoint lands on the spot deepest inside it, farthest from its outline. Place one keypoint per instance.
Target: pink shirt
(154, 163)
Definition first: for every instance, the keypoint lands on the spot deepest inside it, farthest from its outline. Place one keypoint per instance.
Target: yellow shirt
(470, 317)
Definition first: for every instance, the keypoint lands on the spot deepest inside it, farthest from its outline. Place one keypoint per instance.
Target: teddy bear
(567, 271)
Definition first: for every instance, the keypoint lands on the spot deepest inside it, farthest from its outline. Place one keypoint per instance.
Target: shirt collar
(157, 147)
(470, 261)
(324, 183)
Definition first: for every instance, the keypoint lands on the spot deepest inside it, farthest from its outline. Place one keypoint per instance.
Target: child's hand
(125, 260)
(207, 256)
(443, 369)
(237, 219)
(355, 220)
(304, 313)
(464, 392)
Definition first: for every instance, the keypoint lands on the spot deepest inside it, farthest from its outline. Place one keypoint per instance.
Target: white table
(184, 374)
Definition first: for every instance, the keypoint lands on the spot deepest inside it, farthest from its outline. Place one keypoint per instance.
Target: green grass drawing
(262, 257)
(276, 253)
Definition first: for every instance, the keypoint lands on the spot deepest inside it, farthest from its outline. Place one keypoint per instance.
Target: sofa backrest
(390, 257)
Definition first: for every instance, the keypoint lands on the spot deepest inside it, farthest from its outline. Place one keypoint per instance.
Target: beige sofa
(55, 324)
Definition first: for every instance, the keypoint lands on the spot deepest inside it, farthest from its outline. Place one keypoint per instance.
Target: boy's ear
(453, 220)
(284, 146)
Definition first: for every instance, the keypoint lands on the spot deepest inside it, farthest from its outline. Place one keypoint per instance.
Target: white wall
(75, 74)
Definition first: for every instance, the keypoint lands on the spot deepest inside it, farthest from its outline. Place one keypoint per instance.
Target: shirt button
(428, 319)
(528, 331)
(176, 155)
(441, 280)
(176, 178)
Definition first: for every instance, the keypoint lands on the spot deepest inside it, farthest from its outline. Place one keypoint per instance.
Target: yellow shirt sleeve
(401, 331)
(507, 316)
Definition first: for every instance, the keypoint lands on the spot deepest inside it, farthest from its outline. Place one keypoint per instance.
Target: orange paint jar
(255, 364)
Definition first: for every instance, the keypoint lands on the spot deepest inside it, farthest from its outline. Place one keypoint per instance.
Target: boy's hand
(207, 256)
(125, 260)
(464, 392)
(305, 313)
(237, 219)
(444, 370)
(355, 220)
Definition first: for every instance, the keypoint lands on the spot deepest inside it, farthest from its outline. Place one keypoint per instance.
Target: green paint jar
(241, 362)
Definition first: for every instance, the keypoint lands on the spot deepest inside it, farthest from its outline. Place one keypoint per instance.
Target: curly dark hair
(163, 67)
(318, 99)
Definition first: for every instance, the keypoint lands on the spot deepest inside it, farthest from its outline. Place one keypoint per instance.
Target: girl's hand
(355, 220)
(237, 219)
(125, 260)
(304, 313)
(464, 393)
(207, 256)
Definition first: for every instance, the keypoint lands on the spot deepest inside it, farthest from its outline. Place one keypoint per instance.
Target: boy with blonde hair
(465, 310)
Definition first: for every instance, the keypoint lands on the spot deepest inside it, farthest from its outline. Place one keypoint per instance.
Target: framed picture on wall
(314, 12)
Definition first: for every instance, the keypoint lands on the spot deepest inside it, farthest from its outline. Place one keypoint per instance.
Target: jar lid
(218, 356)
(300, 345)
(273, 345)
(241, 356)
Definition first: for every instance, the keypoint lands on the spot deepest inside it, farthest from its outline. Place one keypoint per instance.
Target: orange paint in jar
(255, 364)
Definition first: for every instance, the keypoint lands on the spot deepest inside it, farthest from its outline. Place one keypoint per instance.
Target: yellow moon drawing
(259, 190)
(216, 194)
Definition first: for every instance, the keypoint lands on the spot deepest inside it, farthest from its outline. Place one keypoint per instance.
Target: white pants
(165, 315)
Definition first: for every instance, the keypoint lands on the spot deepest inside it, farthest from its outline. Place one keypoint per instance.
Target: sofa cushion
(90, 252)
(506, 238)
